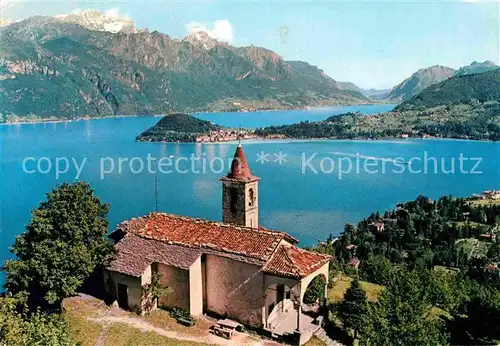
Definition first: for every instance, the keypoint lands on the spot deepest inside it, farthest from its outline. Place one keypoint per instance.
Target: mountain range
(91, 65)
(478, 88)
(374, 94)
(420, 80)
(432, 75)
(464, 106)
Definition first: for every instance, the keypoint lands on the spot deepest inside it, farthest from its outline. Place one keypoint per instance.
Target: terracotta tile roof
(492, 267)
(258, 244)
(293, 262)
(178, 241)
(354, 262)
(135, 254)
(239, 168)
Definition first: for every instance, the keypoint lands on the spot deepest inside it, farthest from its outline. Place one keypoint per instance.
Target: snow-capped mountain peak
(201, 38)
(95, 20)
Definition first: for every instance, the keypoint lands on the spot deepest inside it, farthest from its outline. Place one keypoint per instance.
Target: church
(234, 268)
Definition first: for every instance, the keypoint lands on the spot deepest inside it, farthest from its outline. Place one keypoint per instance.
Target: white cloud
(221, 29)
(115, 13)
(5, 4)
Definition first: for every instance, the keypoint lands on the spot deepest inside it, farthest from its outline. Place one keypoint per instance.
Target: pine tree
(353, 310)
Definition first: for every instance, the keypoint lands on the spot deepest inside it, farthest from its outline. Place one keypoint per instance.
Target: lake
(305, 188)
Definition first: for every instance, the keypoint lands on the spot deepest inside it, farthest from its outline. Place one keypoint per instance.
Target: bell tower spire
(240, 193)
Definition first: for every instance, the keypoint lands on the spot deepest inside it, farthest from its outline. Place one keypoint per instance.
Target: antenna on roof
(156, 193)
(239, 135)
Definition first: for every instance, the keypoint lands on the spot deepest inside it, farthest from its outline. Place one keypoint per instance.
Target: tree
(476, 321)
(64, 243)
(153, 291)
(315, 290)
(401, 315)
(37, 328)
(377, 269)
(353, 310)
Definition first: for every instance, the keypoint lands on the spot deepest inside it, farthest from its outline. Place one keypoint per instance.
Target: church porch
(284, 310)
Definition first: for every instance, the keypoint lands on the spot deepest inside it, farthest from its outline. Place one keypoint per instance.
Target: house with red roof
(493, 269)
(354, 262)
(235, 268)
(488, 237)
(377, 226)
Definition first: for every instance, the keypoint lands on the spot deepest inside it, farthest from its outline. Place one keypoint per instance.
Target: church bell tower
(240, 193)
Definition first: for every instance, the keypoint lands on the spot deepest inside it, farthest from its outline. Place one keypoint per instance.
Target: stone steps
(321, 334)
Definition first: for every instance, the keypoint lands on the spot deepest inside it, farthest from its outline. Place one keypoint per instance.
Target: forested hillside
(438, 263)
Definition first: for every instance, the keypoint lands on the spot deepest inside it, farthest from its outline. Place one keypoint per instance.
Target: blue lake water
(309, 201)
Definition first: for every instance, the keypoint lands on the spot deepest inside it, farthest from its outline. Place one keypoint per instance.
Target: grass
(462, 224)
(467, 244)
(449, 270)
(82, 330)
(336, 293)
(473, 246)
(485, 202)
(120, 334)
(481, 249)
(436, 313)
(314, 341)
(161, 318)
(86, 333)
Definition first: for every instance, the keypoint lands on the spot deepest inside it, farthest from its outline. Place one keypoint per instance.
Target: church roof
(240, 171)
(178, 241)
(290, 261)
(135, 254)
(251, 243)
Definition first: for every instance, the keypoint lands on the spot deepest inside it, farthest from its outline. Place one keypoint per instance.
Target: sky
(374, 44)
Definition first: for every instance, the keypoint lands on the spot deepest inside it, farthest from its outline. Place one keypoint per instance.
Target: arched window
(233, 199)
(251, 197)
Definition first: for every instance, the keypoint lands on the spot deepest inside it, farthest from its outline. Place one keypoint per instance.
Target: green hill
(177, 127)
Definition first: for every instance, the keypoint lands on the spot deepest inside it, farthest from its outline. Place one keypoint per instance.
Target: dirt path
(143, 326)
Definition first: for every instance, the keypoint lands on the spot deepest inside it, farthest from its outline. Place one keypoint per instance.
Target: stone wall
(234, 289)
(134, 288)
(178, 280)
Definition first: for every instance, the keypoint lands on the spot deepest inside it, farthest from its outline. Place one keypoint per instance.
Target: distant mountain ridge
(463, 89)
(426, 77)
(420, 80)
(92, 73)
(377, 94)
(466, 107)
(476, 67)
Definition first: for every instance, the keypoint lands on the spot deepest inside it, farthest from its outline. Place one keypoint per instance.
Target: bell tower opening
(240, 202)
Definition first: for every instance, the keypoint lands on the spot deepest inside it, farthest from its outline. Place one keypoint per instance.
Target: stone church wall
(234, 289)
(178, 280)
